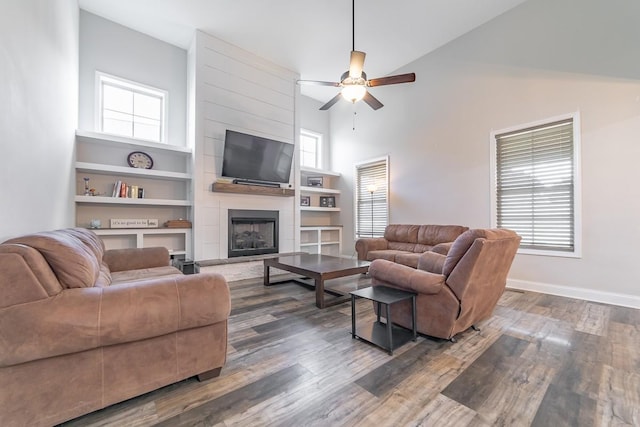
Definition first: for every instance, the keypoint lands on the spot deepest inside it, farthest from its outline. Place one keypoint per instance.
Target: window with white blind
(130, 109)
(537, 185)
(310, 149)
(372, 197)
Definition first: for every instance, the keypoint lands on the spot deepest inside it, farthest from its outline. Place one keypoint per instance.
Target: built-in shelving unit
(102, 158)
(319, 230)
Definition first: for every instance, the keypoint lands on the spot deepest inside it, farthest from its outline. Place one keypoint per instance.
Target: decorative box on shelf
(134, 223)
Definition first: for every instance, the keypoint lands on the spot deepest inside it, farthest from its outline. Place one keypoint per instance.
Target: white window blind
(372, 208)
(535, 185)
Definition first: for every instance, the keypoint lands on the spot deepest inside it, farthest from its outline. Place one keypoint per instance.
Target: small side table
(388, 337)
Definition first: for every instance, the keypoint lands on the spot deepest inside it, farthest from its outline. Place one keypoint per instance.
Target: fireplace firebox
(252, 232)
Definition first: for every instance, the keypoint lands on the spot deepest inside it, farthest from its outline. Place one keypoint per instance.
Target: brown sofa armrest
(385, 272)
(365, 245)
(431, 262)
(80, 319)
(136, 259)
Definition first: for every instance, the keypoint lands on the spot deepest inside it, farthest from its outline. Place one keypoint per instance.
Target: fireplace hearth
(252, 232)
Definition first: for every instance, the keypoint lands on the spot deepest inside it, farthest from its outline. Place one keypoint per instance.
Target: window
(310, 149)
(130, 109)
(536, 185)
(372, 197)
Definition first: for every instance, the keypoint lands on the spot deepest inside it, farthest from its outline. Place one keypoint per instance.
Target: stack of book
(122, 189)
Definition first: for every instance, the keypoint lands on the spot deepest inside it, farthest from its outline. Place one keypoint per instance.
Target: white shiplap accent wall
(237, 90)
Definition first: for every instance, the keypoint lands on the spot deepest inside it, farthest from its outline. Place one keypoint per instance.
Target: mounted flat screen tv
(253, 159)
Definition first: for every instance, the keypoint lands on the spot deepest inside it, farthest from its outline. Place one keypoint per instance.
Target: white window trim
(355, 199)
(319, 148)
(577, 180)
(137, 87)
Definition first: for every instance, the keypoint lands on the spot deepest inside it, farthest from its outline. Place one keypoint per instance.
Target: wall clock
(139, 159)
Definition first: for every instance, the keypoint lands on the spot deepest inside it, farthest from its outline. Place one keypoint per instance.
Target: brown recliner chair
(454, 291)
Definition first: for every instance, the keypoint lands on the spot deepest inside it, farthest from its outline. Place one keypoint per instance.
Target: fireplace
(252, 232)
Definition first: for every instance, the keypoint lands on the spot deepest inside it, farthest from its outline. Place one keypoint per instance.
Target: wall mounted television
(253, 159)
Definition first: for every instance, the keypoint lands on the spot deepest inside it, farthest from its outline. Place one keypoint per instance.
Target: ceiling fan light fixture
(353, 92)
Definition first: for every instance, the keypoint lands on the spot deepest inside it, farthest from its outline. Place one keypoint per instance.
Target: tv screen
(252, 158)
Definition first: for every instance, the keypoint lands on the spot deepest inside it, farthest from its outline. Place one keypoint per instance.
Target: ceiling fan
(354, 82)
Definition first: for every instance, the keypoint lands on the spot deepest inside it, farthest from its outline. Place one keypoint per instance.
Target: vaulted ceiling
(312, 38)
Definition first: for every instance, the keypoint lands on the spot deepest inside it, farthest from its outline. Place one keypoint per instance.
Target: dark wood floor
(540, 360)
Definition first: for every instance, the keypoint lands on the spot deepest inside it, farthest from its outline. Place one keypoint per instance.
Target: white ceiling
(312, 38)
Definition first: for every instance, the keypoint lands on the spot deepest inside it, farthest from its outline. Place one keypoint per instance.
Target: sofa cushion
(431, 235)
(143, 274)
(409, 259)
(387, 254)
(401, 233)
(402, 246)
(72, 261)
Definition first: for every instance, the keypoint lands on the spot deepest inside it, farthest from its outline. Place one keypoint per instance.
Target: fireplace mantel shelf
(224, 187)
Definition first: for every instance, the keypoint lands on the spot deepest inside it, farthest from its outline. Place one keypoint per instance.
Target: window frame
(356, 200)
(319, 147)
(133, 87)
(577, 189)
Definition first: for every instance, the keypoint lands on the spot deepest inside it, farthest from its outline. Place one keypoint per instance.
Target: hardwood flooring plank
(444, 412)
(594, 319)
(384, 378)
(409, 402)
(514, 400)
(562, 407)
(239, 400)
(630, 316)
(476, 383)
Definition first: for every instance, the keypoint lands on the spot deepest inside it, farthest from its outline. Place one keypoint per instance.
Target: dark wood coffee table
(318, 268)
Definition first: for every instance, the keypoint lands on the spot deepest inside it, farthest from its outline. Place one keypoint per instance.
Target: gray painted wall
(311, 118)
(542, 59)
(122, 52)
(38, 114)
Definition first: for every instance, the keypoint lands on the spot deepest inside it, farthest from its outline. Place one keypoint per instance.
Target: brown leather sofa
(82, 328)
(457, 290)
(404, 243)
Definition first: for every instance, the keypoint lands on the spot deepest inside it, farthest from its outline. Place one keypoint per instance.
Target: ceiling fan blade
(372, 101)
(317, 83)
(356, 64)
(331, 102)
(392, 80)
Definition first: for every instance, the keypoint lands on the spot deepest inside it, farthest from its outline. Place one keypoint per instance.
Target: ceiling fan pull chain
(354, 117)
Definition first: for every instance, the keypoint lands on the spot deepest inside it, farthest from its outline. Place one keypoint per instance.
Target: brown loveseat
(404, 243)
(82, 328)
(454, 291)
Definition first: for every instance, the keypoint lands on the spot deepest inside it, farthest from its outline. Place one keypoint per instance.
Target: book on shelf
(121, 189)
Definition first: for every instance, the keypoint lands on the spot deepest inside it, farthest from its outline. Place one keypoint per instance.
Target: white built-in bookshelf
(167, 190)
(320, 232)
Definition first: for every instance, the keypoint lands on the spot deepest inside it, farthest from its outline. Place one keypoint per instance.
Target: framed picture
(327, 201)
(314, 181)
(305, 201)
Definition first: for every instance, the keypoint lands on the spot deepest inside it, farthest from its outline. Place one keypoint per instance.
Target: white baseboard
(624, 300)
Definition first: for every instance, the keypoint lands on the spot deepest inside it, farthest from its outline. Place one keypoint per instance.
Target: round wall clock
(138, 159)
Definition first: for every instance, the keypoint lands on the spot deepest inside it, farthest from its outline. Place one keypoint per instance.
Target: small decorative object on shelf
(134, 223)
(140, 159)
(314, 181)
(95, 223)
(178, 223)
(305, 201)
(87, 190)
(327, 201)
